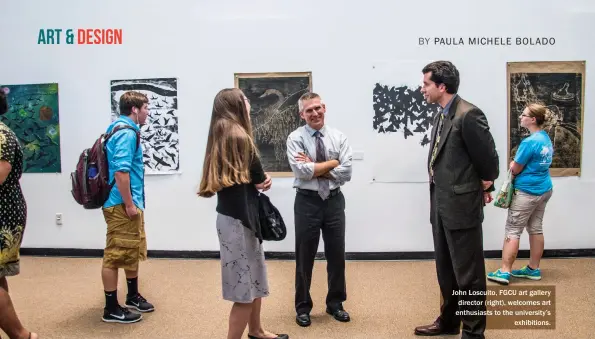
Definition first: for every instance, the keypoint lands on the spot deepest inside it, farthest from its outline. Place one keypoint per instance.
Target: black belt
(315, 193)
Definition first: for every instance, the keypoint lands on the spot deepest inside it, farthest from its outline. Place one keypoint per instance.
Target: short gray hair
(307, 96)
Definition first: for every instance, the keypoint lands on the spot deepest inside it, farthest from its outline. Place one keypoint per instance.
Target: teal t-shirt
(535, 153)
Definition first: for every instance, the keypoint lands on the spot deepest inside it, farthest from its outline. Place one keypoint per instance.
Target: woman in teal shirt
(533, 189)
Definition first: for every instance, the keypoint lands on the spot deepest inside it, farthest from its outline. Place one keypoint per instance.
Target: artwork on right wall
(559, 85)
(401, 122)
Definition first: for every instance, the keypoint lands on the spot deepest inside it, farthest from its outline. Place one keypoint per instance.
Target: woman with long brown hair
(232, 170)
(13, 217)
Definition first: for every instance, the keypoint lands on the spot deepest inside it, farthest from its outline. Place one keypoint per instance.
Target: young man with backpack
(123, 211)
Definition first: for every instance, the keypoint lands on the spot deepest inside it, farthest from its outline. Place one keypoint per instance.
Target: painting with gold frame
(560, 86)
(274, 113)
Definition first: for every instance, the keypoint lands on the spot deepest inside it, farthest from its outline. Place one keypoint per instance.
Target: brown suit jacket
(466, 155)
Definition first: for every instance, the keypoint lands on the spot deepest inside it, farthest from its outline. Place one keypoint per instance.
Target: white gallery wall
(348, 47)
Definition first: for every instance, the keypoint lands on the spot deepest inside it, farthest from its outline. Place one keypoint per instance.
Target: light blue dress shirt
(337, 148)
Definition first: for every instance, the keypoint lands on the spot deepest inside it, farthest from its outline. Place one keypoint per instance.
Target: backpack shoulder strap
(121, 127)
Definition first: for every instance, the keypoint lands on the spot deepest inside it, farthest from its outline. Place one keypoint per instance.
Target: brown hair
(538, 112)
(132, 99)
(230, 145)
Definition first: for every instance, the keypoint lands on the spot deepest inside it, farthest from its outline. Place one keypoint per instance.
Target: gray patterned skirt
(243, 270)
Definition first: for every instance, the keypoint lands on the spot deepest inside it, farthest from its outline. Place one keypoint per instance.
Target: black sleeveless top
(241, 201)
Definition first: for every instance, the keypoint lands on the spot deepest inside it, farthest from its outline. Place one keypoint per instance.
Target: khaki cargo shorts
(526, 212)
(126, 243)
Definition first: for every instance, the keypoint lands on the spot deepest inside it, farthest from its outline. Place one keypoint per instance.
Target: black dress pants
(313, 216)
(460, 266)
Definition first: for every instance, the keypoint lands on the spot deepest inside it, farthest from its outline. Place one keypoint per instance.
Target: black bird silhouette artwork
(402, 108)
(160, 160)
(172, 156)
(159, 133)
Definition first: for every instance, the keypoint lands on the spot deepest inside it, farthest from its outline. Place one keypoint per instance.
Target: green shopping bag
(504, 196)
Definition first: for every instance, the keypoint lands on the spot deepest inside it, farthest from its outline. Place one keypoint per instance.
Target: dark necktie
(435, 149)
(323, 183)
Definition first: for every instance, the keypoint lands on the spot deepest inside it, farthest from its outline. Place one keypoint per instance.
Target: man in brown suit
(462, 166)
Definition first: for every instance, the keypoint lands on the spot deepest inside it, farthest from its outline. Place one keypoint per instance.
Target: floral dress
(13, 208)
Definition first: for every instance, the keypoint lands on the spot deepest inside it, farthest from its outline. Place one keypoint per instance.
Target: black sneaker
(139, 303)
(120, 315)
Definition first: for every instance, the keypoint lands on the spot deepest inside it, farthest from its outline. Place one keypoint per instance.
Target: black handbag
(272, 226)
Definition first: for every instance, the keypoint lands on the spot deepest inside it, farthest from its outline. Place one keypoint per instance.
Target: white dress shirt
(336, 147)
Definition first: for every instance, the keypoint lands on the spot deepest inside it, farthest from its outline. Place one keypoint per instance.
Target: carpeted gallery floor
(62, 298)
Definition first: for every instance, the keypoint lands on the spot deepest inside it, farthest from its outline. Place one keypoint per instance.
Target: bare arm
(322, 168)
(8, 146)
(5, 169)
(516, 168)
(123, 183)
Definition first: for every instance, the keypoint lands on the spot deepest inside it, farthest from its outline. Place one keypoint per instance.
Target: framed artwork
(34, 117)
(274, 114)
(159, 136)
(560, 86)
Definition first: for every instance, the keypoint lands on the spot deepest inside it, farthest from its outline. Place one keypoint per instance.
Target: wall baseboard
(161, 254)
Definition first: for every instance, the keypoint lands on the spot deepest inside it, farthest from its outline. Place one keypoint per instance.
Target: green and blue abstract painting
(33, 115)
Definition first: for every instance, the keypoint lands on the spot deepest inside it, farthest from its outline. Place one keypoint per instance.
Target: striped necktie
(323, 183)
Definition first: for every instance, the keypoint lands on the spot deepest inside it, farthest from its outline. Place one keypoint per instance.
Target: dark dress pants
(313, 216)
(460, 266)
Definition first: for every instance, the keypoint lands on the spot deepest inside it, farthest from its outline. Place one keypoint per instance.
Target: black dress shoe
(435, 329)
(339, 314)
(303, 319)
(279, 336)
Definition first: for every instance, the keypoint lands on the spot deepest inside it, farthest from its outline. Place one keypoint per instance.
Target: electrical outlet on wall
(58, 218)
